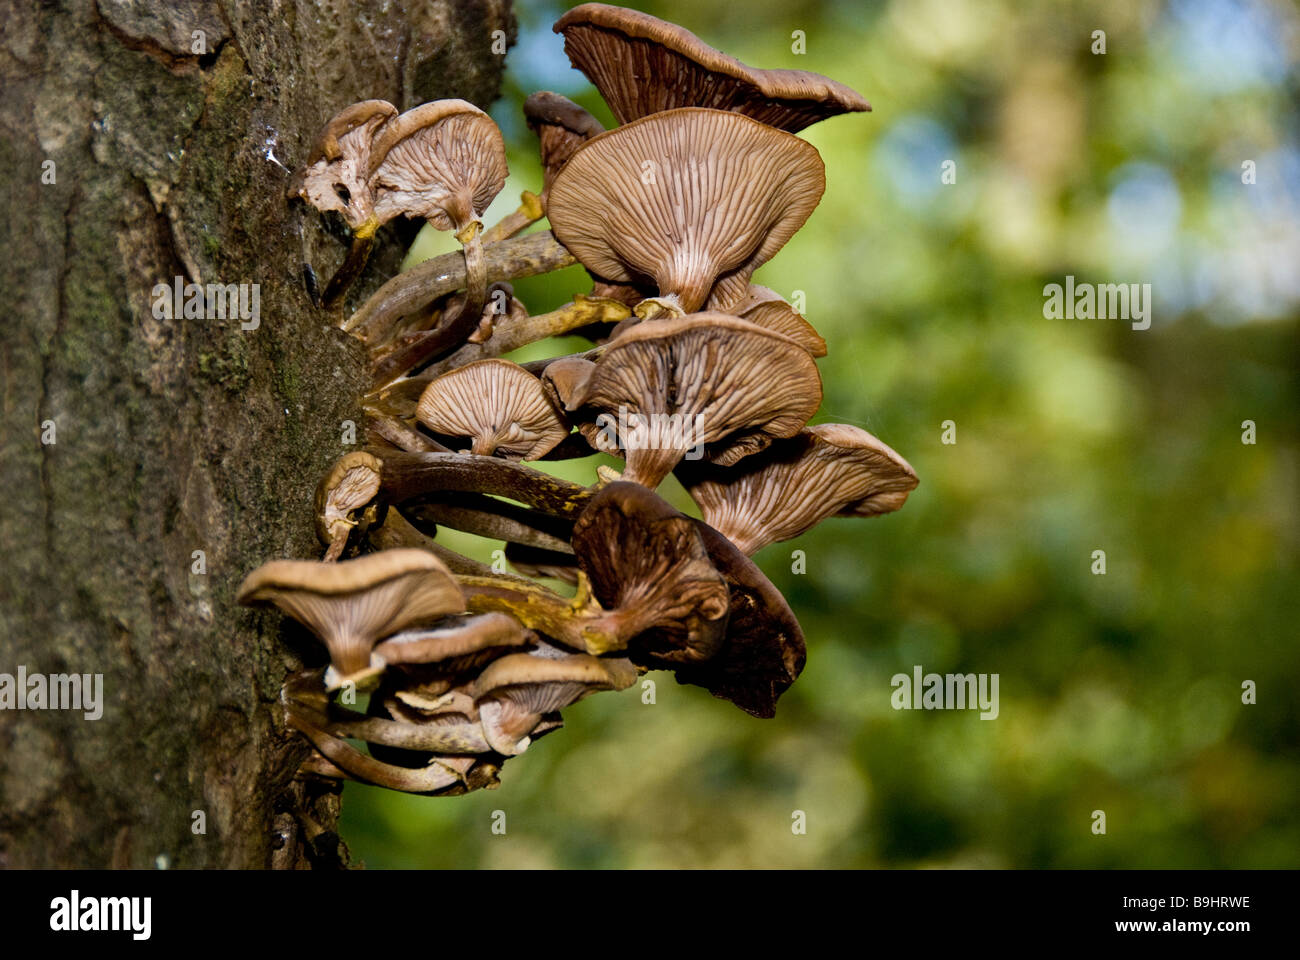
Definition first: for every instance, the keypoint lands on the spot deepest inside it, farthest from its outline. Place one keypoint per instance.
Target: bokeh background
(1121, 692)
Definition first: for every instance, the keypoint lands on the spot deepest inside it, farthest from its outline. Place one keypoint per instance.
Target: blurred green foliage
(1121, 692)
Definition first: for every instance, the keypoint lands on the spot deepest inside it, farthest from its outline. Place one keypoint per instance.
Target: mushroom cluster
(693, 370)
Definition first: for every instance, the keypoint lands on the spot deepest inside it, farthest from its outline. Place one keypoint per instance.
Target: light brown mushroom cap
(730, 384)
(643, 65)
(561, 127)
(499, 405)
(683, 197)
(444, 161)
(352, 604)
(832, 469)
(458, 643)
(516, 691)
(337, 170)
(768, 309)
(352, 483)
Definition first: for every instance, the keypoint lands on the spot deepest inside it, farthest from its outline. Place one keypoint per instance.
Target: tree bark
(144, 140)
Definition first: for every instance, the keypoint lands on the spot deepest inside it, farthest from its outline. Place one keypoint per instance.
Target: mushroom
(516, 692)
(684, 197)
(498, 405)
(335, 178)
(455, 644)
(769, 310)
(650, 571)
(351, 484)
(666, 386)
(643, 65)
(832, 469)
(353, 604)
(444, 161)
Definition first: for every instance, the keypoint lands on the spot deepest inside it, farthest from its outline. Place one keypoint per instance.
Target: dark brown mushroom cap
(352, 483)
(444, 161)
(643, 65)
(731, 385)
(561, 127)
(352, 604)
(683, 197)
(650, 571)
(455, 643)
(769, 310)
(499, 405)
(827, 470)
(517, 692)
(336, 174)
(763, 651)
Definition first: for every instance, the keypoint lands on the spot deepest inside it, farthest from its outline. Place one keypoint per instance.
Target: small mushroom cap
(350, 605)
(516, 692)
(457, 642)
(335, 176)
(769, 310)
(561, 127)
(827, 470)
(444, 161)
(352, 483)
(684, 197)
(643, 65)
(565, 380)
(499, 405)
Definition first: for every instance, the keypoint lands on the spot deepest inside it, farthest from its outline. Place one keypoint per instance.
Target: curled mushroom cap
(827, 470)
(768, 309)
(665, 387)
(516, 692)
(561, 127)
(642, 65)
(649, 569)
(352, 483)
(499, 405)
(444, 161)
(351, 605)
(684, 197)
(338, 167)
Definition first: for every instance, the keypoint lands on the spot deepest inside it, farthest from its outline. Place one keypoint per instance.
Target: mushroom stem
(531, 209)
(578, 624)
(459, 738)
(471, 239)
(400, 435)
(358, 253)
(649, 465)
(487, 517)
(410, 475)
(336, 546)
(398, 532)
(418, 287)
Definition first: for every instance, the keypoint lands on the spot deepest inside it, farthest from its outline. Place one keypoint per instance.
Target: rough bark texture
(173, 436)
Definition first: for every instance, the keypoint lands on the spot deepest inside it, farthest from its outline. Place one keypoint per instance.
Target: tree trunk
(142, 141)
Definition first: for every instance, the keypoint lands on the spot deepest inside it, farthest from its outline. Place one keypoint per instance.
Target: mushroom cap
(684, 197)
(350, 605)
(650, 570)
(498, 404)
(352, 482)
(769, 310)
(561, 127)
(444, 161)
(643, 65)
(728, 383)
(337, 170)
(458, 643)
(827, 470)
(565, 380)
(516, 692)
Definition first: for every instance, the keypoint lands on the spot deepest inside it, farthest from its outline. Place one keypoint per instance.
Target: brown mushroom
(684, 197)
(643, 65)
(832, 469)
(498, 405)
(769, 310)
(353, 604)
(351, 485)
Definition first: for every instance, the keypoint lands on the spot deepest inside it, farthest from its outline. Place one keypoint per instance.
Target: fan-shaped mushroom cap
(684, 197)
(352, 483)
(649, 569)
(337, 169)
(827, 470)
(351, 605)
(444, 161)
(455, 643)
(561, 127)
(706, 378)
(499, 405)
(769, 310)
(643, 65)
(516, 692)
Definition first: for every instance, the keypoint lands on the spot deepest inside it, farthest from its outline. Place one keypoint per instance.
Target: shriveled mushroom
(667, 386)
(498, 405)
(769, 310)
(832, 469)
(518, 690)
(351, 485)
(684, 197)
(642, 65)
(353, 604)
